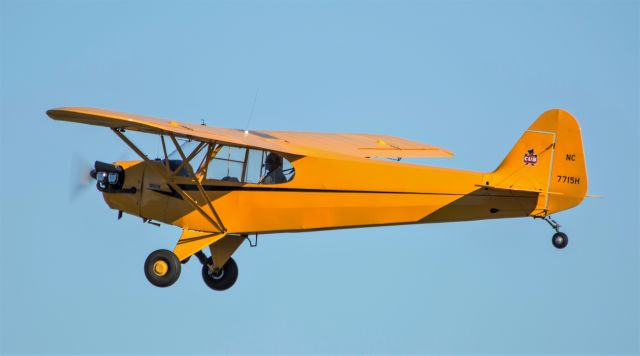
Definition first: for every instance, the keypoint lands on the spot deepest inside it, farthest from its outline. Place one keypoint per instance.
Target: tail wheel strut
(559, 240)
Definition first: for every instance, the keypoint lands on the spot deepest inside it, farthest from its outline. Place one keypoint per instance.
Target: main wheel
(560, 240)
(224, 278)
(162, 268)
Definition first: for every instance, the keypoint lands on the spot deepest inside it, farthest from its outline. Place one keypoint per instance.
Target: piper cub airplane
(223, 185)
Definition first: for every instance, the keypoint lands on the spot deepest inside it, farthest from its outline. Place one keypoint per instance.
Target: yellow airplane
(223, 185)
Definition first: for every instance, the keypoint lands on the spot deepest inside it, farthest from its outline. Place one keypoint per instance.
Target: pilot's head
(273, 161)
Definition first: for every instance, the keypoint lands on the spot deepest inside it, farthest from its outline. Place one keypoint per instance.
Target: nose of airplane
(111, 178)
(120, 184)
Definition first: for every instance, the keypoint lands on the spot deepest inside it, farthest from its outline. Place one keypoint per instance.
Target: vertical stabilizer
(548, 158)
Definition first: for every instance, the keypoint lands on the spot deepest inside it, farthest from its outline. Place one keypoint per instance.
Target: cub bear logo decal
(530, 158)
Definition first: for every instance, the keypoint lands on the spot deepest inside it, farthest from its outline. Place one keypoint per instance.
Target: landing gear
(219, 271)
(559, 240)
(162, 268)
(222, 278)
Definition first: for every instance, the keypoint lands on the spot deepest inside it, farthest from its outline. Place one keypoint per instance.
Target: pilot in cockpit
(274, 175)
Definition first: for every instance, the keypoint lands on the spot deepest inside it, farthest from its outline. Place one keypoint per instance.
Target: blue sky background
(468, 76)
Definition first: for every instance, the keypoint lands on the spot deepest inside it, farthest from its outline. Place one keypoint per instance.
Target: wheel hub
(160, 268)
(214, 272)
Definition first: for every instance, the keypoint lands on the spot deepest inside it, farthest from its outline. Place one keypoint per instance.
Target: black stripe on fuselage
(172, 193)
(227, 188)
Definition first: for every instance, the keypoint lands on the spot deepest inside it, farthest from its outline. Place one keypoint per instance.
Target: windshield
(187, 147)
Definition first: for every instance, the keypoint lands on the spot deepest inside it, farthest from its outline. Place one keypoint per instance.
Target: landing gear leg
(559, 240)
(201, 257)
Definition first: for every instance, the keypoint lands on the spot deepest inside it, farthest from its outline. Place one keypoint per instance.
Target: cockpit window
(236, 164)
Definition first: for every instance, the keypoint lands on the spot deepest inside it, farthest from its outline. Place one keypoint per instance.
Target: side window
(255, 166)
(264, 167)
(228, 164)
(287, 169)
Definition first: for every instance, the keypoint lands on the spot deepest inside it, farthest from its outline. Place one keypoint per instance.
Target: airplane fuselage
(324, 194)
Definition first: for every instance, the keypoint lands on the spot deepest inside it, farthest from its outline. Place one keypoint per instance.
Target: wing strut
(169, 175)
(195, 178)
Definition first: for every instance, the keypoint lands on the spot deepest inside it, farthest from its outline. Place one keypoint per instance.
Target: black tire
(560, 240)
(162, 268)
(225, 279)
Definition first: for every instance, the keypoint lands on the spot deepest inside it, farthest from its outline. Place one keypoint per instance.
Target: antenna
(253, 106)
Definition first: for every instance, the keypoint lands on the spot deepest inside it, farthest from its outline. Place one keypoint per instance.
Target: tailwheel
(162, 268)
(560, 240)
(221, 279)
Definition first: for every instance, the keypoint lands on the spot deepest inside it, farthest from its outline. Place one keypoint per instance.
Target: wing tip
(55, 113)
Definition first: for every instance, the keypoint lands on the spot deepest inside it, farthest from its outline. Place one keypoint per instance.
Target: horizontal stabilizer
(518, 189)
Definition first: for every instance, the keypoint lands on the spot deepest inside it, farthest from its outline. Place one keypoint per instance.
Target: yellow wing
(157, 126)
(360, 145)
(296, 143)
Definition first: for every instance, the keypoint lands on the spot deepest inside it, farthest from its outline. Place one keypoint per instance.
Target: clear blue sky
(468, 76)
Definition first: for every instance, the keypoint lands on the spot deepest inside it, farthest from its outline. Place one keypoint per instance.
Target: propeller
(82, 176)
